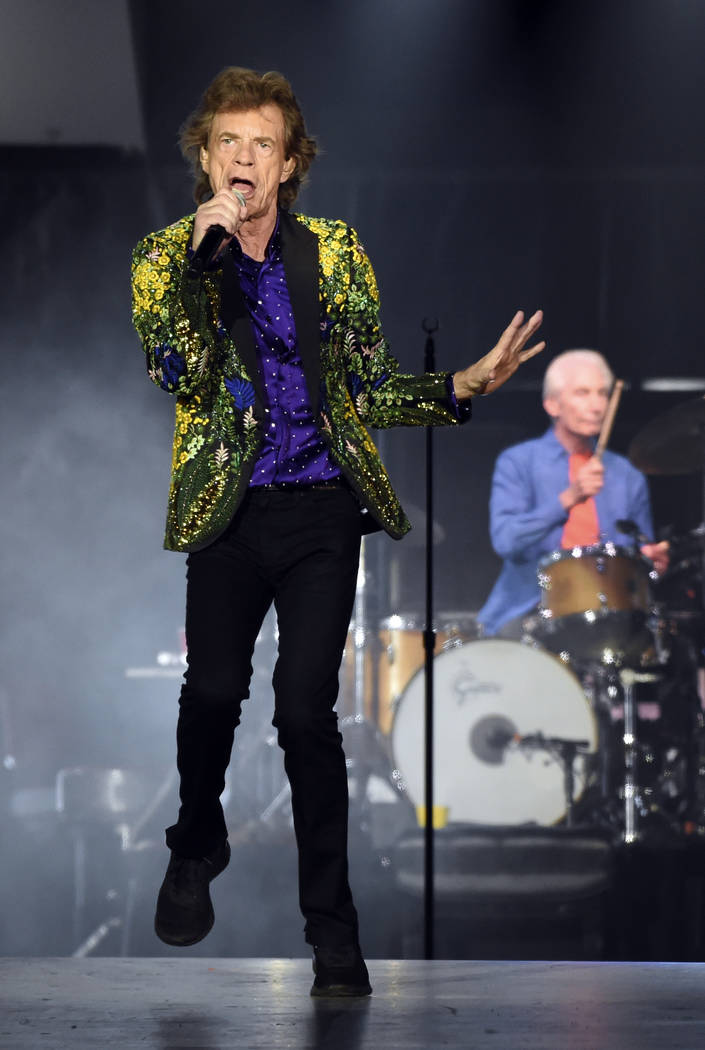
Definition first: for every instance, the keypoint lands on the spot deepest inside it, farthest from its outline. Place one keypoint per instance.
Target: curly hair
(239, 89)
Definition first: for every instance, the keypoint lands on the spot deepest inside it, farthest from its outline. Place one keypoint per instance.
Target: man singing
(274, 350)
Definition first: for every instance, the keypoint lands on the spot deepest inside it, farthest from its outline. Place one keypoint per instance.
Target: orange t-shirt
(582, 527)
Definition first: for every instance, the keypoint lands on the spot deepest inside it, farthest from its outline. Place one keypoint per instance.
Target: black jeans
(300, 550)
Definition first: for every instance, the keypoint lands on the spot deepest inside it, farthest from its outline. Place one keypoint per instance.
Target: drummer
(553, 492)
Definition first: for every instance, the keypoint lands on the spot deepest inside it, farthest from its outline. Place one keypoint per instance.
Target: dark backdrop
(493, 155)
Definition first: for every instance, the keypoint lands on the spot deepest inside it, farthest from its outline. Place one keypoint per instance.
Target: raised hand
(495, 368)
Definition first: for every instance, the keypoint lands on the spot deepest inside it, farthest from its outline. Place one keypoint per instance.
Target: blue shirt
(527, 517)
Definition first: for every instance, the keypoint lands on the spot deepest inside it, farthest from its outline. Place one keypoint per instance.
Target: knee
(212, 701)
(298, 726)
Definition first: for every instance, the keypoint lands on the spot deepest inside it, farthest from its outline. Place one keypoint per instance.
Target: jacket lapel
(300, 255)
(234, 317)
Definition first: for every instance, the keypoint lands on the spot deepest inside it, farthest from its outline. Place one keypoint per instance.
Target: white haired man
(553, 492)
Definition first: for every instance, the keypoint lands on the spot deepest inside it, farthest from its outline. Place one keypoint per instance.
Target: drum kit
(593, 719)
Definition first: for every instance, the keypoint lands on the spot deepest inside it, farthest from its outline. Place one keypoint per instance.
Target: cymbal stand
(628, 678)
(359, 633)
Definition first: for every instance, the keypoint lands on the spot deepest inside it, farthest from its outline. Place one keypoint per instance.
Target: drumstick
(608, 421)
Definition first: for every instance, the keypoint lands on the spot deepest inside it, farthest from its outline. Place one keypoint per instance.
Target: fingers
(232, 209)
(532, 351)
(517, 332)
(223, 209)
(527, 330)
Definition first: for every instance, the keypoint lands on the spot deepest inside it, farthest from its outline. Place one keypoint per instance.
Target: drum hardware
(674, 443)
(93, 802)
(630, 800)
(646, 793)
(501, 737)
(566, 752)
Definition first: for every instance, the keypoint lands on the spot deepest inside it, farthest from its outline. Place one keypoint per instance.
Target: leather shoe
(340, 972)
(184, 908)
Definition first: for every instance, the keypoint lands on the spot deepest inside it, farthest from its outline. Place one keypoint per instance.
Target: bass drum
(484, 693)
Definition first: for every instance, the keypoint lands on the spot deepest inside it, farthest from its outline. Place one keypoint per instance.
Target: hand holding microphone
(216, 223)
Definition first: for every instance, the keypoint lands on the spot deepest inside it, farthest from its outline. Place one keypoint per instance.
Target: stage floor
(237, 1004)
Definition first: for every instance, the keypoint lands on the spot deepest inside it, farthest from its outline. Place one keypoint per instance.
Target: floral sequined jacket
(197, 337)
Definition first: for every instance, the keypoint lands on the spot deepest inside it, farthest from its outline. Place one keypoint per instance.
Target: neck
(573, 442)
(254, 234)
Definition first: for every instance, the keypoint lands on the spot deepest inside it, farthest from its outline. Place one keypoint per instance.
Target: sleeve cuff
(460, 411)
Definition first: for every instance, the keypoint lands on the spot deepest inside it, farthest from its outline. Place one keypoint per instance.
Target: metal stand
(360, 639)
(430, 325)
(630, 756)
(565, 751)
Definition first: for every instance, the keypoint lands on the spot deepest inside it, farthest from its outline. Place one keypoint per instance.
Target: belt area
(294, 486)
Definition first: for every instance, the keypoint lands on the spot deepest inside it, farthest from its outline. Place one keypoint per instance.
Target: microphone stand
(430, 325)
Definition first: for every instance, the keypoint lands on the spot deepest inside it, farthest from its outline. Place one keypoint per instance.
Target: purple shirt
(292, 447)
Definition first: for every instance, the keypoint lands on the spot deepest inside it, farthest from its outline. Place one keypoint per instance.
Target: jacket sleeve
(172, 314)
(518, 525)
(384, 396)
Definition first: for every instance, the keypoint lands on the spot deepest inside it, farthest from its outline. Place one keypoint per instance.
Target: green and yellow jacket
(197, 337)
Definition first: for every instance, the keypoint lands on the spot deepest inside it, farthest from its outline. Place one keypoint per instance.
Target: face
(580, 407)
(246, 151)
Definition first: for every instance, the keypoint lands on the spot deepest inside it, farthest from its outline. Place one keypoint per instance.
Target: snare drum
(595, 603)
(486, 691)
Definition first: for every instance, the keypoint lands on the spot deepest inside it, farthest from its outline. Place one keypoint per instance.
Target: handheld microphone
(209, 248)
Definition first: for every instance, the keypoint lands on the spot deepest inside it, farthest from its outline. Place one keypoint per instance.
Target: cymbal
(672, 443)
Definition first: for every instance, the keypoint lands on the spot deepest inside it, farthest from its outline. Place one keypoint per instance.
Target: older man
(273, 347)
(553, 492)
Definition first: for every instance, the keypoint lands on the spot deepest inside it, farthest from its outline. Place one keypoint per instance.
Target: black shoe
(184, 909)
(340, 971)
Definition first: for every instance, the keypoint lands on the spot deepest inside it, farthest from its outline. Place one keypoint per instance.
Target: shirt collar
(553, 445)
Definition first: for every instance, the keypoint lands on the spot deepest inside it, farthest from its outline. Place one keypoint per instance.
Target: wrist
(465, 387)
(568, 498)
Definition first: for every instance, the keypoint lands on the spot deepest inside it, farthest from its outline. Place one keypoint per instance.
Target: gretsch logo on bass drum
(468, 685)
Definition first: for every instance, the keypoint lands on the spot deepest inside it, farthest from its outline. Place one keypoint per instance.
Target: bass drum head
(484, 693)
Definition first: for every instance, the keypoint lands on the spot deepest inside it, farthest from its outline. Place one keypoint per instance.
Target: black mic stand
(565, 751)
(430, 325)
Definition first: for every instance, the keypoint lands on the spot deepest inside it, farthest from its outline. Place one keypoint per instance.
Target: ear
(288, 169)
(551, 407)
(203, 156)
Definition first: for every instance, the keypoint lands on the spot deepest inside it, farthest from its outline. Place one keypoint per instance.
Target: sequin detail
(217, 434)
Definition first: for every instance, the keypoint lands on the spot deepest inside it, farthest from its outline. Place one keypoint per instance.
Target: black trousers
(300, 550)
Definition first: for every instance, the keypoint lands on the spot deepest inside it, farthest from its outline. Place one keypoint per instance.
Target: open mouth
(245, 187)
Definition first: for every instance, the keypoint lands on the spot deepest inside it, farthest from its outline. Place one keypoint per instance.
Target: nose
(598, 404)
(244, 153)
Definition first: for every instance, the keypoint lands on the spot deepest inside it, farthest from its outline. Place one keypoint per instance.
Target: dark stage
(56, 1004)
